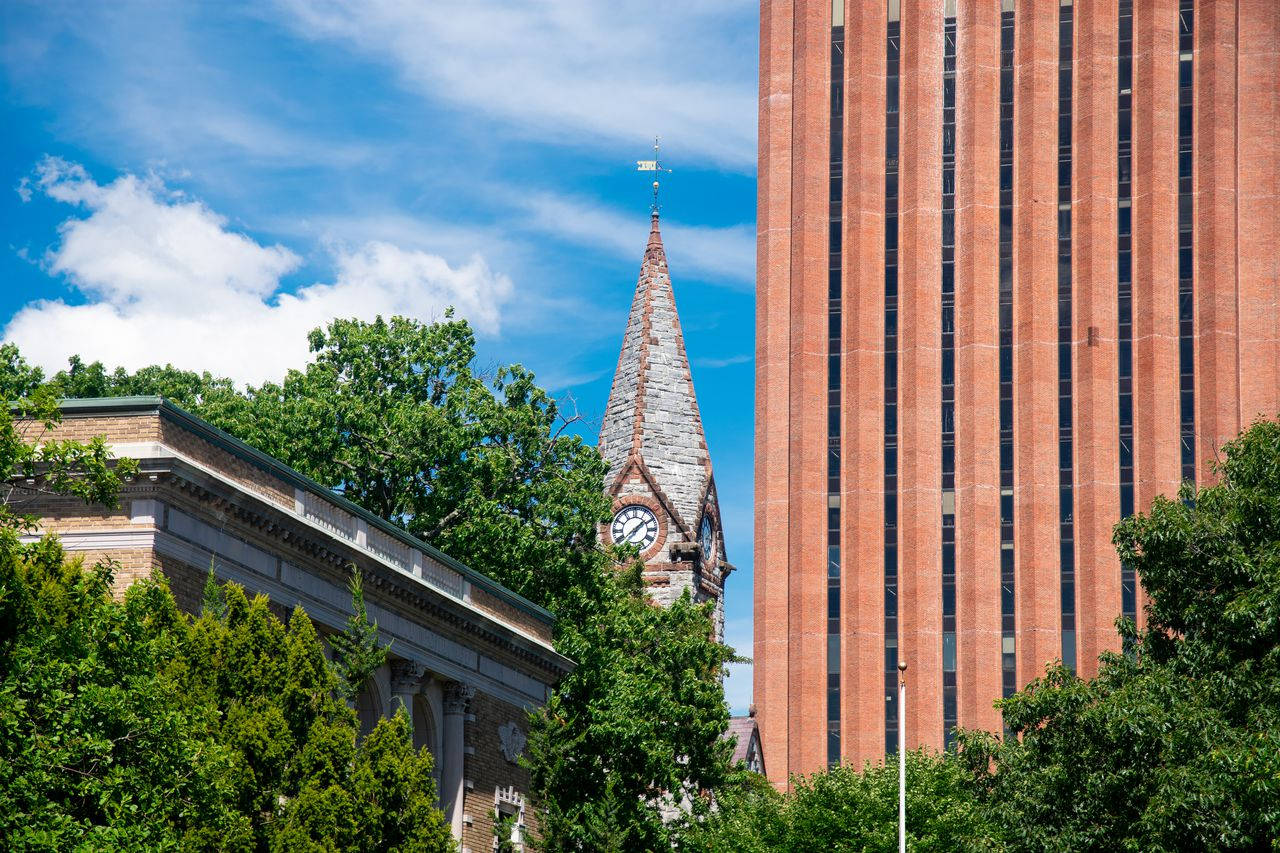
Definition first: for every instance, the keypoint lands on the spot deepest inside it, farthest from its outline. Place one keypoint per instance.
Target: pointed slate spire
(652, 416)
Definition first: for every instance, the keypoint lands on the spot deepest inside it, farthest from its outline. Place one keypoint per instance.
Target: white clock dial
(635, 525)
(707, 539)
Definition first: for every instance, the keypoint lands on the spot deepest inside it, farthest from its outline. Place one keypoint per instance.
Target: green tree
(187, 388)
(97, 752)
(17, 378)
(635, 728)
(301, 776)
(33, 463)
(393, 415)
(128, 725)
(356, 651)
(485, 466)
(844, 809)
(1177, 746)
(212, 600)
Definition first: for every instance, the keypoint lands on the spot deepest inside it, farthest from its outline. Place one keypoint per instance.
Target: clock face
(635, 525)
(707, 539)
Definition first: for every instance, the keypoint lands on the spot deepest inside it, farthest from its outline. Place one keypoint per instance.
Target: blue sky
(201, 183)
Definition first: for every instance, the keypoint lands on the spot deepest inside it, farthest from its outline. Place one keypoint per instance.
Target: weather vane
(652, 166)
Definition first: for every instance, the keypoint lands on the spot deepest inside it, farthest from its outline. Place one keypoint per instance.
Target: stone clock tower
(664, 494)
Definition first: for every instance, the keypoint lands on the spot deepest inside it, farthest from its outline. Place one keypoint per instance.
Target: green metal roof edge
(270, 464)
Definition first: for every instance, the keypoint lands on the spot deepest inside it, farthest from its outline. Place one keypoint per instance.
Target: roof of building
(652, 416)
(273, 466)
(747, 732)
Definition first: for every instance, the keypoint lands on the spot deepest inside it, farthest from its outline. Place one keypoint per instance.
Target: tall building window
(891, 381)
(834, 279)
(1008, 641)
(949, 710)
(1186, 310)
(1124, 298)
(1066, 525)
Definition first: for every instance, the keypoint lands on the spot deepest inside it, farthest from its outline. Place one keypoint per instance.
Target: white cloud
(572, 69)
(141, 244)
(165, 280)
(716, 363)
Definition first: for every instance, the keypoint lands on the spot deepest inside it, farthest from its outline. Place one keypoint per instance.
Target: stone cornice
(314, 544)
(124, 406)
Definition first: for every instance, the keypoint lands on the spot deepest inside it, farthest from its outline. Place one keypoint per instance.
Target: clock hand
(630, 528)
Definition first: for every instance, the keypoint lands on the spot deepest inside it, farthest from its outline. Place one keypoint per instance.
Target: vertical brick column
(919, 370)
(1258, 211)
(862, 546)
(1096, 375)
(1214, 144)
(807, 747)
(977, 365)
(1035, 365)
(1155, 251)
(773, 333)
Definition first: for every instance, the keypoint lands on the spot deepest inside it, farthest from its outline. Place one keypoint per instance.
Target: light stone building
(660, 478)
(469, 657)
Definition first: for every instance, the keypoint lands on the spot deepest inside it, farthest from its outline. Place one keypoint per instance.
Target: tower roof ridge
(652, 412)
(655, 239)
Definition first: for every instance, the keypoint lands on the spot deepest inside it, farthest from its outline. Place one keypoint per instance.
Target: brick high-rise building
(1019, 266)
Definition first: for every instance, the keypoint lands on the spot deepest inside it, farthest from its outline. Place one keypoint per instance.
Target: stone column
(456, 698)
(406, 681)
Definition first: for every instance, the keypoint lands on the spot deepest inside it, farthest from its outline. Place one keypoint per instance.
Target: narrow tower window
(1008, 657)
(891, 381)
(1066, 525)
(1186, 310)
(949, 710)
(834, 279)
(1124, 301)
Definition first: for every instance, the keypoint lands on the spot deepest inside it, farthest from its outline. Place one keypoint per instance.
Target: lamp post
(902, 756)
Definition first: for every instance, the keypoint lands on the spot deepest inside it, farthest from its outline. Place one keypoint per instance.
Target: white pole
(902, 757)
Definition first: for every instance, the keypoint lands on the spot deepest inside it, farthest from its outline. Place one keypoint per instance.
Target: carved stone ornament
(511, 741)
(406, 676)
(457, 696)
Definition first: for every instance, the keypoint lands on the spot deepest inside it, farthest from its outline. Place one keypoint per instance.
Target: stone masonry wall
(491, 604)
(119, 428)
(244, 473)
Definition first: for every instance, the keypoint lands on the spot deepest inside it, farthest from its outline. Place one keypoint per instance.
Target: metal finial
(652, 166)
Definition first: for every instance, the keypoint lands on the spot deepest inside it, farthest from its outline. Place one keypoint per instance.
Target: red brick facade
(1235, 341)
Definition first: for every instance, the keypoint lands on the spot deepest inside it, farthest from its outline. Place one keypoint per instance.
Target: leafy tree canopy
(356, 652)
(394, 415)
(635, 729)
(17, 378)
(186, 388)
(1176, 746)
(844, 809)
(127, 725)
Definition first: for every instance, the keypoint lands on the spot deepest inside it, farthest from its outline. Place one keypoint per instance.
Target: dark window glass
(890, 409)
